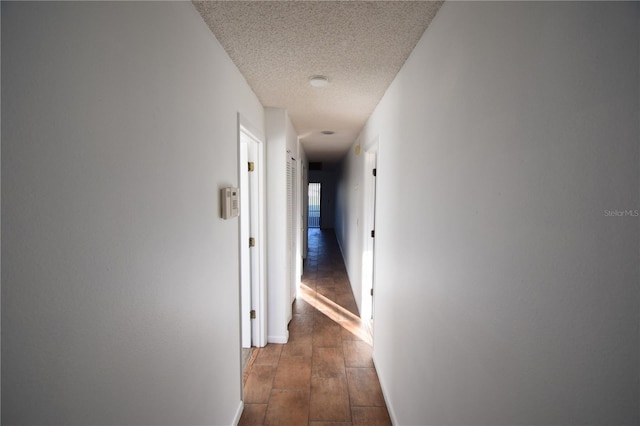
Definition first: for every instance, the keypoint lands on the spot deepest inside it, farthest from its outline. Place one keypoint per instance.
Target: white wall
(282, 143)
(354, 222)
(350, 218)
(120, 297)
(504, 294)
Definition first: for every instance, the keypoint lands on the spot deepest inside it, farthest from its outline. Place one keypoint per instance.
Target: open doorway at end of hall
(313, 212)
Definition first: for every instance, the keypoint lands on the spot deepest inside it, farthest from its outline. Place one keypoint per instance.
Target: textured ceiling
(359, 45)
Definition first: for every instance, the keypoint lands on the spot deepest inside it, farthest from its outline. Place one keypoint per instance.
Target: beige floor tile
(327, 336)
(298, 346)
(357, 354)
(364, 387)
(329, 399)
(301, 324)
(328, 362)
(269, 355)
(301, 307)
(253, 415)
(350, 331)
(298, 338)
(370, 416)
(259, 384)
(293, 373)
(288, 407)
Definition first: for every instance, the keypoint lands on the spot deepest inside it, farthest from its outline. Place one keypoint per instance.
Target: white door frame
(368, 258)
(257, 261)
(245, 251)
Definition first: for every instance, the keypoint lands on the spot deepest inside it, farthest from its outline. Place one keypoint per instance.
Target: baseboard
(278, 339)
(236, 419)
(392, 414)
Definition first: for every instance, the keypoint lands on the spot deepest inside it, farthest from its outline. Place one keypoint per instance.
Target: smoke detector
(318, 81)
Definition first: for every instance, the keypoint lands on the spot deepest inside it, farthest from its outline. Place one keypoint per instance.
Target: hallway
(324, 375)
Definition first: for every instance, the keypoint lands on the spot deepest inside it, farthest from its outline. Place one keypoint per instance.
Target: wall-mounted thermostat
(229, 201)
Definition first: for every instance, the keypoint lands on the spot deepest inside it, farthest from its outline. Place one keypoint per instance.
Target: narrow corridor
(324, 375)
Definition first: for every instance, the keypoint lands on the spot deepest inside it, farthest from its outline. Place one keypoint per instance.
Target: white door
(251, 243)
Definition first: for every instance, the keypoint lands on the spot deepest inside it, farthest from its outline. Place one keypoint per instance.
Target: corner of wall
(383, 387)
(277, 133)
(236, 418)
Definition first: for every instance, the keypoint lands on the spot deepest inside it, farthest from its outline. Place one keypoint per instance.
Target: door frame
(246, 258)
(258, 230)
(368, 258)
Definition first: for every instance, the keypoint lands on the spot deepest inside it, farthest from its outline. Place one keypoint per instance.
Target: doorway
(368, 258)
(313, 211)
(251, 178)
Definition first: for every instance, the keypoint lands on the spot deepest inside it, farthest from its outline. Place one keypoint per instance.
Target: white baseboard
(236, 419)
(392, 414)
(278, 339)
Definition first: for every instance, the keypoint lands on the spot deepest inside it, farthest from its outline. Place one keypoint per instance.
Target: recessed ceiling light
(319, 81)
(327, 132)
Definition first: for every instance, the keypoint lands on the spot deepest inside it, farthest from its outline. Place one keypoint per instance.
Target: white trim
(260, 304)
(368, 244)
(279, 339)
(392, 414)
(259, 291)
(250, 128)
(239, 411)
(244, 184)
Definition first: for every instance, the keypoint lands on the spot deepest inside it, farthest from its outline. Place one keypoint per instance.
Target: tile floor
(324, 375)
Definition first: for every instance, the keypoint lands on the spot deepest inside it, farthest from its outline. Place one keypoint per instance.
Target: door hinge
(373, 233)
(252, 166)
(252, 242)
(372, 291)
(252, 314)
(375, 172)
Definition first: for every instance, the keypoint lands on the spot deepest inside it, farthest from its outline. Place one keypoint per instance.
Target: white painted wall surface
(504, 294)
(353, 219)
(297, 152)
(120, 297)
(281, 137)
(349, 217)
